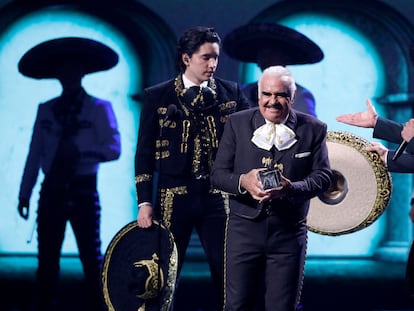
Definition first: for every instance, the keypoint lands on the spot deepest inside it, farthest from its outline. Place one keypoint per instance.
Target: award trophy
(271, 179)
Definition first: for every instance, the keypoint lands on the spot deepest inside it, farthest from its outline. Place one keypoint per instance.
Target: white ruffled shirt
(271, 134)
(187, 83)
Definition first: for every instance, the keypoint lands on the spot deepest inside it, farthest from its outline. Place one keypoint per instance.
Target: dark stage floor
(330, 285)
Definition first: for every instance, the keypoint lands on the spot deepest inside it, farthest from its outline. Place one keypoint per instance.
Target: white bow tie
(271, 134)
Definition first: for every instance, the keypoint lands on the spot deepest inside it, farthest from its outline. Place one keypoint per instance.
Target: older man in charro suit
(267, 232)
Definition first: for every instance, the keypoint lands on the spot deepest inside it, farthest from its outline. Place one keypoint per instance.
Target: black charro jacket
(166, 136)
(305, 164)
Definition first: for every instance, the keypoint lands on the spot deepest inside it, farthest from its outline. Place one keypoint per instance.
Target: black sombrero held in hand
(41, 61)
(140, 269)
(245, 42)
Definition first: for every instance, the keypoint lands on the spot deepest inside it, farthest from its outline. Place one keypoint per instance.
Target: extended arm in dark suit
(404, 164)
(383, 128)
(390, 130)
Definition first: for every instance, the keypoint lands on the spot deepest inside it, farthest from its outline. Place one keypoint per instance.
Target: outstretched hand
(367, 118)
(23, 208)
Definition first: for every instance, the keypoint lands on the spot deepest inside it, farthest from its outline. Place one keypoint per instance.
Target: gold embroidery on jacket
(223, 119)
(184, 136)
(279, 166)
(213, 131)
(142, 178)
(267, 161)
(196, 154)
(162, 143)
(162, 154)
(227, 105)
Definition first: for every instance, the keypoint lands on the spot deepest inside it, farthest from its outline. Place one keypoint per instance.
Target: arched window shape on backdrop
(140, 38)
(366, 47)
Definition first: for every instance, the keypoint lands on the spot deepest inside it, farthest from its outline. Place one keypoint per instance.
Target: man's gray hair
(284, 75)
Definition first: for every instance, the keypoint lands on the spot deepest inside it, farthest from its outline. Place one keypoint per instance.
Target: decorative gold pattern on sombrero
(153, 282)
(172, 268)
(369, 183)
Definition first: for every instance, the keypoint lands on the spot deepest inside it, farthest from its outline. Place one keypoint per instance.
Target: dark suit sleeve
(410, 147)
(404, 164)
(107, 146)
(222, 175)
(391, 131)
(242, 102)
(145, 152)
(32, 166)
(320, 176)
(388, 130)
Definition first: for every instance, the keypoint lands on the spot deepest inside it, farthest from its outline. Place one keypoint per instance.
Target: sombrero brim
(364, 198)
(243, 43)
(121, 280)
(41, 61)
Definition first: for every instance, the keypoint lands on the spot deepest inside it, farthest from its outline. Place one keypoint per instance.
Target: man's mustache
(275, 106)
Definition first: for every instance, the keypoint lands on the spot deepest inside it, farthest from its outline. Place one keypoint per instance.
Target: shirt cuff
(239, 187)
(386, 159)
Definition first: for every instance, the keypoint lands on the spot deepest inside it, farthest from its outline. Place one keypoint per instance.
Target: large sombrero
(140, 269)
(360, 192)
(243, 43)
(41, 61)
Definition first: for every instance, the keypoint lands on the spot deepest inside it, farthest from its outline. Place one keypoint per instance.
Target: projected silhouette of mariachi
(72, 134)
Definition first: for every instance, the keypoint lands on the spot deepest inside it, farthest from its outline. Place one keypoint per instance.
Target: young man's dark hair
(191, 41)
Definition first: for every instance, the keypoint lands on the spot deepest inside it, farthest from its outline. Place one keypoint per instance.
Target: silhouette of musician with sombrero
(72, 134)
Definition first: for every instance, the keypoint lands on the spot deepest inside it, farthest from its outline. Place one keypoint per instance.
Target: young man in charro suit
(267, 233)
(182, 121)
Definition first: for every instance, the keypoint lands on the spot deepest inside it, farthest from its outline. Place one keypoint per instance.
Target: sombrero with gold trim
(360, 190)
(140, 269)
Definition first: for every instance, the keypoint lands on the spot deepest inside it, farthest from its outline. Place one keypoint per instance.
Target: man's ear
(185, 58)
